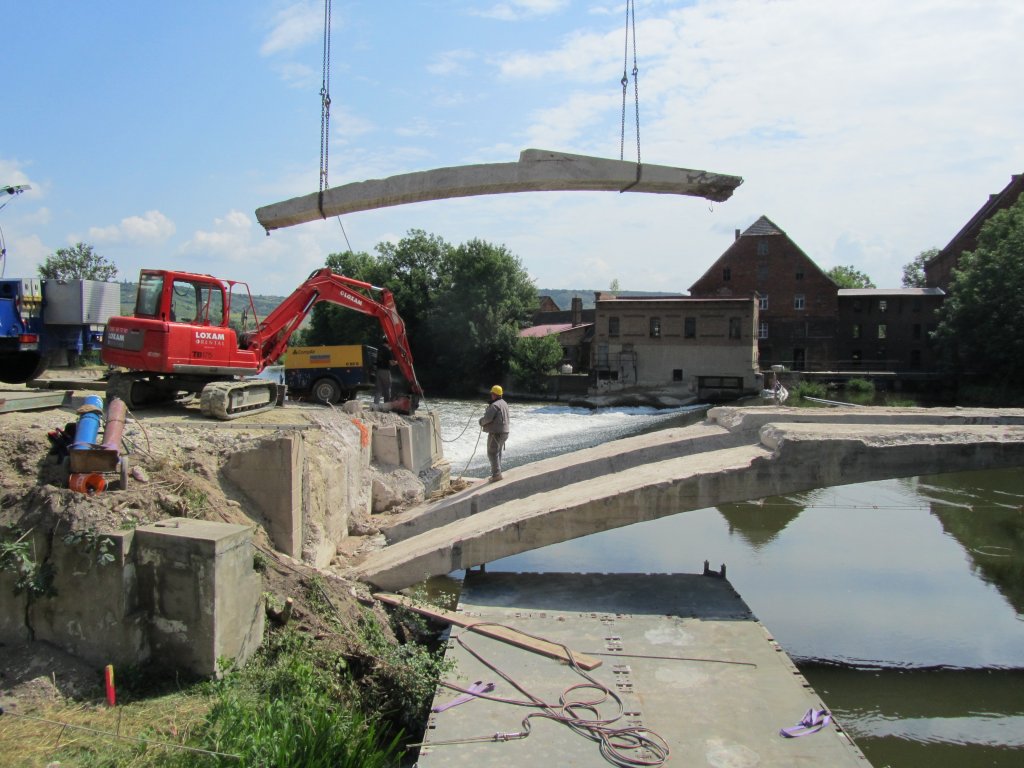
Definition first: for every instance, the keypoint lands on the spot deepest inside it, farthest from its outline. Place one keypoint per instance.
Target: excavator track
(226, 400)
(120, 385)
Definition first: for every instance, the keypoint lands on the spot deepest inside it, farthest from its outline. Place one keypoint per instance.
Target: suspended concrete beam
(538, 170)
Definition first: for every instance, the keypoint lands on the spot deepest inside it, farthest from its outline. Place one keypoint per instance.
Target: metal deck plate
(718, 693)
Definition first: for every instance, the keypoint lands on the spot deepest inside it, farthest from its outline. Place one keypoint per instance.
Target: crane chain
(630, 23)
(325, 100)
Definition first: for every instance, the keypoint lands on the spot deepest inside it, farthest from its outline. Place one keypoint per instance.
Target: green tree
(79, 262)
(980, 322)
(849, 277)
(475, 320)
(332, 324)
(913, 273)
(533, 359)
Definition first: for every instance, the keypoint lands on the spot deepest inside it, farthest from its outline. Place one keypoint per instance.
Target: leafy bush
(861, 386)
(809, 389)
(290, 707)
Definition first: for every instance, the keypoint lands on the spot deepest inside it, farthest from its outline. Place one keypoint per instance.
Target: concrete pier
(690, 664)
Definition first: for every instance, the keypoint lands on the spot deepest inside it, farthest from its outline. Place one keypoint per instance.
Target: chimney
(737, 234)
(577, 311)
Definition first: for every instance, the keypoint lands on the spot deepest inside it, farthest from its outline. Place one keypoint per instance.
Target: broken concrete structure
(181, 593)
(309, 485)
(538, 170)
(736, 455)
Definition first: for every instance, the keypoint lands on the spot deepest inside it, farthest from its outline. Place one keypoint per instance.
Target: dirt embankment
(175, 457)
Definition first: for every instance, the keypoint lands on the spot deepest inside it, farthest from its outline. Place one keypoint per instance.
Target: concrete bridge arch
(736, 454)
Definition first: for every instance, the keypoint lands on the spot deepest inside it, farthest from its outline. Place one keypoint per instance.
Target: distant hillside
(264, 304)
(563, 298)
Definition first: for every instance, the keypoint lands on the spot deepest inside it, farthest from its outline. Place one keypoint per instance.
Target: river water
(901, 601)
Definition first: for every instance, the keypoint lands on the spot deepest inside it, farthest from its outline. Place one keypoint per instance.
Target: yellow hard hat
(497, 390)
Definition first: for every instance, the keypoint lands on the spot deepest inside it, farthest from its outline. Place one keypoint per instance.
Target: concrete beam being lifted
(538, 170)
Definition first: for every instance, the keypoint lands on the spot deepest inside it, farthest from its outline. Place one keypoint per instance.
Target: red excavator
(167, 353)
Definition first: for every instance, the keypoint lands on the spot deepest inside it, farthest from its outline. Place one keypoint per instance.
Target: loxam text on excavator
(166, 354)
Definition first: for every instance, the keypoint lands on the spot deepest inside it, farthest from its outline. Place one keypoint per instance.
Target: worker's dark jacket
(495, 419)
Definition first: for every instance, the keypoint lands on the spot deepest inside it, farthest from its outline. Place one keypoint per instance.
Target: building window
(855, 357)
(613, 326)
(762, 247)
(690, 328)
(727, 274)
(734, 327)
(677, 374)
(915, 358)
(856, 330)
(883, 331)
(655, 327)
(915, 305)
(799, 274)
(857, 306)
(916, 331)
(882, 305)
(762, 271)
(762, 330)
(799, 301)
(762, 302)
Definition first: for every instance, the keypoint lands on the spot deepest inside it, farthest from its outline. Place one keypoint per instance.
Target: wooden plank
(493, 631)
(538, 170)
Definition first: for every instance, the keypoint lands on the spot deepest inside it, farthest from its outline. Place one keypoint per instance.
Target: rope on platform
(630, 747)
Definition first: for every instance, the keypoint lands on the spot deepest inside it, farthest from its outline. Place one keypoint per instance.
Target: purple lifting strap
(469, 695)
(814, 720)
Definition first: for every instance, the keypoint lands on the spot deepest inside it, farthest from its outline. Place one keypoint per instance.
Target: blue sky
(868, 131)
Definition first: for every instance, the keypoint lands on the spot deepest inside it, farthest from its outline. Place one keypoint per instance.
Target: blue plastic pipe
(88, 429)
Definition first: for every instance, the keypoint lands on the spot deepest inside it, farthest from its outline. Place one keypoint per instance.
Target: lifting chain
(630, 23)
(325, 100)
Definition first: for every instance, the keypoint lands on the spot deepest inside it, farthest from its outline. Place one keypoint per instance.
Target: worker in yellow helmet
(495, 422)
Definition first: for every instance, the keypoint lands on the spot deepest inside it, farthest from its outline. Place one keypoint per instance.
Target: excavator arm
(271, 337)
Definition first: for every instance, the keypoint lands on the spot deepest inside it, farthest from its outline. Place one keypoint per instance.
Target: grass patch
(298, 702)
(809, 389)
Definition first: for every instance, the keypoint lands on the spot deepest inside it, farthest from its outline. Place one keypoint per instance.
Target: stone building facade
(698, 347)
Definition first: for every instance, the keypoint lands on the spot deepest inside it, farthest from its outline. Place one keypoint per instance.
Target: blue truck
(45, 322)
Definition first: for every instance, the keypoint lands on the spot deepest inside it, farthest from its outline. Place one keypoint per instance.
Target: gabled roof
(763, 226)
(972, 228)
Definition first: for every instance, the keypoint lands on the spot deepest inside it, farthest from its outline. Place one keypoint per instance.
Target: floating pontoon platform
(684, 654)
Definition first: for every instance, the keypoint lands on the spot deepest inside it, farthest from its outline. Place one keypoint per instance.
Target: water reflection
(984, 511)
(760, 522)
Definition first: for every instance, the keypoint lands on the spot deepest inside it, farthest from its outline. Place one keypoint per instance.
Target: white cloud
(450, 62)
(230, 235)
(293, 27)
(515, 10)
(151, 227)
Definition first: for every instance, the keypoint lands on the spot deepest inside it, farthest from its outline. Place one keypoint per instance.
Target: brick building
(939, 270)
(887, 329)
(797, 301)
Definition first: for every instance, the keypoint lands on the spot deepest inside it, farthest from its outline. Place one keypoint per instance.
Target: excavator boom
(167, 353)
